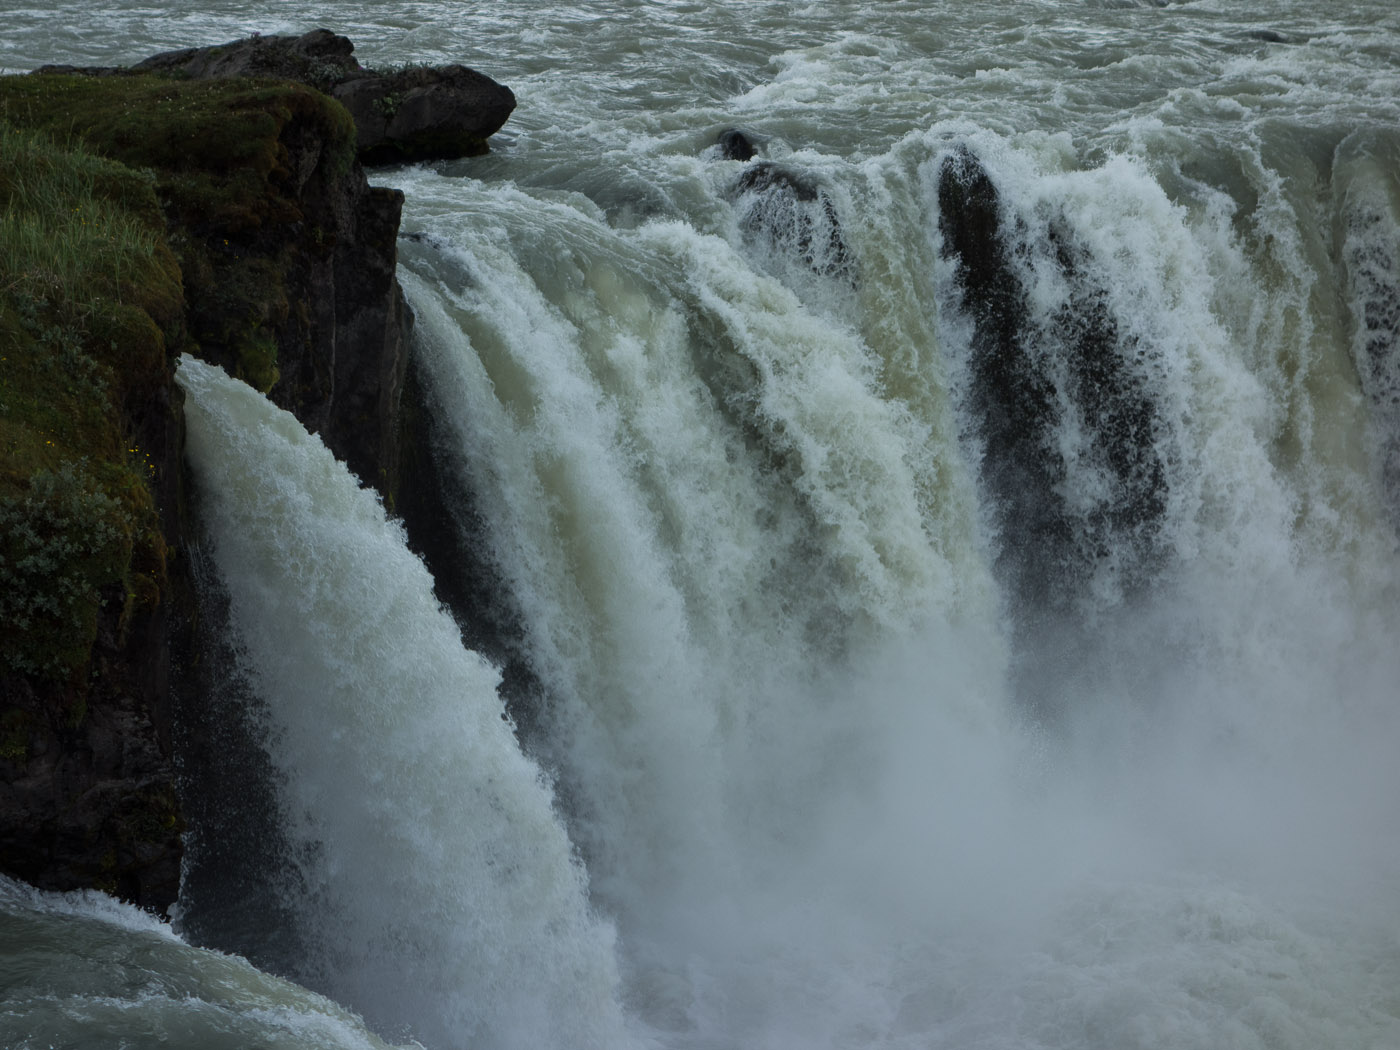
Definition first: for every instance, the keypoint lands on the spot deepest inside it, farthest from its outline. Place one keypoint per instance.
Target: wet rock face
(343, 346)
(735, 145)
(92, 803)
(1370, 256)
(1033, 376)
(418, 113)
(789, 211)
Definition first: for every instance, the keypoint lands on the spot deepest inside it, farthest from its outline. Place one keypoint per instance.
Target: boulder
(417, 113)
(735, 145)
(424, 113)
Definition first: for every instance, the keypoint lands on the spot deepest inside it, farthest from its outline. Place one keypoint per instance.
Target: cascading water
(953, 549)
(84, 972)
(758, 491)
(435, 888)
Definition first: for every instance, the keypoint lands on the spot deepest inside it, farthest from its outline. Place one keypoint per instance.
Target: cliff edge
(145, 215)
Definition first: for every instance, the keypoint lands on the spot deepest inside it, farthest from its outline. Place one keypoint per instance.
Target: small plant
(324, 75)
(388, 105)
(393, 69)
(61, 542)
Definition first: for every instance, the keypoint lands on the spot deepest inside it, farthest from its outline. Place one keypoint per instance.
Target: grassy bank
(140, 217)
(219, 165)
(90, 297)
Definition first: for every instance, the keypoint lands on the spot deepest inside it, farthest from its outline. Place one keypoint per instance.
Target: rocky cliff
(256, 243)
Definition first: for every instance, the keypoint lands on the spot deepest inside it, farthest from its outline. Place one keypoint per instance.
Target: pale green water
(742, 510)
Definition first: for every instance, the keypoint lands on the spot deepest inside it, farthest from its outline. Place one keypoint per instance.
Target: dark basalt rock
(93, 804)
(424, 113)
(1025, 373)
(792, 213)
(735, 145)
(418, 113)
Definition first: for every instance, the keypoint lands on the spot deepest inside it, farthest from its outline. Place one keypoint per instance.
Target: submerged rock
(790, 211)
(735, 145)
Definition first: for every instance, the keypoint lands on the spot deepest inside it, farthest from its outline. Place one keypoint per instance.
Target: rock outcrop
(279, 264)
(1028, 372)
(410, 114)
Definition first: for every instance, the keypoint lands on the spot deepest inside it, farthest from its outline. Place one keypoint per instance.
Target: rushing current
(943, 566)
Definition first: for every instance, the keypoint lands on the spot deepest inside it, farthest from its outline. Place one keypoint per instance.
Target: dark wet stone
(794, 214)
(1026, 373)
(735, 145)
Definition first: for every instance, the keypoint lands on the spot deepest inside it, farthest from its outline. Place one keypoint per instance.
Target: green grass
(60, 236)
(86, 286)
(216, 153)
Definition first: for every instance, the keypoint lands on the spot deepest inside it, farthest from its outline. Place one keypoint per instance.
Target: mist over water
(870, 705)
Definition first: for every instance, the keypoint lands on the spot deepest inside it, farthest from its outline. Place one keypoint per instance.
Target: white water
(755, 580)
(438, 889)
(791, 712)
(83, 972)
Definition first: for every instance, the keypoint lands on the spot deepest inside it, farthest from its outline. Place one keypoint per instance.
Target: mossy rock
(228, 160)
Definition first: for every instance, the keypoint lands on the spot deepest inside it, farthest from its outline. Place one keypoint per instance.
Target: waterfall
(896, 614)
(935, 473)
(432, 883)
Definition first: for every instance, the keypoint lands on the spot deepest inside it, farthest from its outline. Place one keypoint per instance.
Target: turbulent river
(944, 568)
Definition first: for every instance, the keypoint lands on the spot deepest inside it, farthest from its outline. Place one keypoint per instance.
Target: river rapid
(945, 566)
